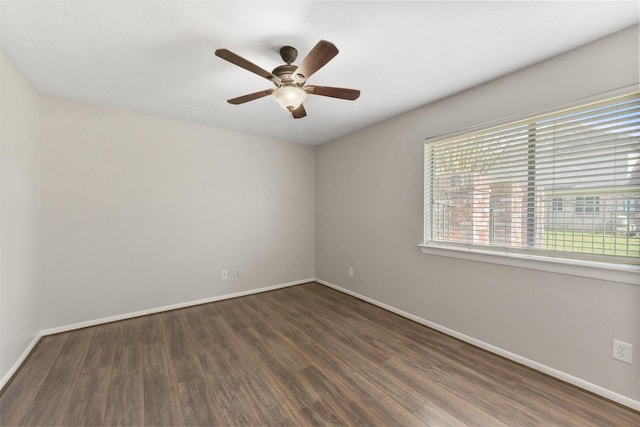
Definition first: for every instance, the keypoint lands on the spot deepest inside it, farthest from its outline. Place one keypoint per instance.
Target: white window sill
(622, 273)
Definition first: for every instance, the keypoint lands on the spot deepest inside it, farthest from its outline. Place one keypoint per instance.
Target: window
(510, 189)
(556, 204)
(588, 205)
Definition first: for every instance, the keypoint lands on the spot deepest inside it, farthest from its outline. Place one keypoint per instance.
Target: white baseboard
(80, 325)
(578, 382)
(5, 379)
(125, 316)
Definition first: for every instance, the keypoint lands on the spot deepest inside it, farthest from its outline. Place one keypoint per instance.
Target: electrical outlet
(224, 274)
(622, 351)
(350, 272)
(240, 272)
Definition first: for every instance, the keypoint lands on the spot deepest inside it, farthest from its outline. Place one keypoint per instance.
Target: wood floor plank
(275, 403)
(392, 386)
(395, 414)
(355, 412)
(125, 403)
(224, 352)
(337, 355)
(89, 400)
(464, 375)
(18, 397)
(278, 344)
(284, 375)
(231, 400)
(54, 340)
(461, 403)
(319, 413)
(349, 362)
(50, 404)
(328, 316)
(561, 395)
(433, 415)
(160, 388)
(303, 355)
(200, 406)
(358, 411)
(321, 356)
(186, 363)
(125, 400)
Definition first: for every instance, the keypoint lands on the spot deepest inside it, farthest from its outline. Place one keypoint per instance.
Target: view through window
(564, 185)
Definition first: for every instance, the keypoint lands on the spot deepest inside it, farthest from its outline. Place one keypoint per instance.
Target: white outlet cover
(622, 351)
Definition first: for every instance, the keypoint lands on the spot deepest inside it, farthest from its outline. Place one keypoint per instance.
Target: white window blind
(564, 185)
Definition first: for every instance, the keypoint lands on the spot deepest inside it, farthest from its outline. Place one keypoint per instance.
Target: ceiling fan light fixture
(290, 80)
(289, 97)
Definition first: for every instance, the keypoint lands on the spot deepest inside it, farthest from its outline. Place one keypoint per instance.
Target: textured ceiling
(157, 57)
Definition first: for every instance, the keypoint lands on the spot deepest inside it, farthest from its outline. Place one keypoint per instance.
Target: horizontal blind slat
(564, 184)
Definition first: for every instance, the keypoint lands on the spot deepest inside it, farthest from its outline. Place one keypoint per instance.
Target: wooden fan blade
(321, 53)
(227, 55)
(334, 92)
(299, 112)
(249, 97)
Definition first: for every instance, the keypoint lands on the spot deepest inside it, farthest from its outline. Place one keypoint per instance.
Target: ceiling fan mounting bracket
(288, 54)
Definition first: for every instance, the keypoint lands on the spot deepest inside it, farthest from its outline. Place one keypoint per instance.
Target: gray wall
(143, 212)
(369, 206)
(20, 213)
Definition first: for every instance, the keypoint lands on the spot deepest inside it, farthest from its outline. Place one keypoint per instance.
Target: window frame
(587, 206)
(597, 269)
(557, 204)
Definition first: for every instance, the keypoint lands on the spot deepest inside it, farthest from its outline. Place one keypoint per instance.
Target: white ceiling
(157, 57)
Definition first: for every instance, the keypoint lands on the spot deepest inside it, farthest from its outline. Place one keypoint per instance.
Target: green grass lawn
(592, 243)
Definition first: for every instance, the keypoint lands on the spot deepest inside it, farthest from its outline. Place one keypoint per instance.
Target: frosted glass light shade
(289, 97)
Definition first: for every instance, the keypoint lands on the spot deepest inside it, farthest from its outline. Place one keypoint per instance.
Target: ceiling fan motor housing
(285, 73)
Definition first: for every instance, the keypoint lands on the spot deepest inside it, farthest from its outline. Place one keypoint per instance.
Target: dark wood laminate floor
(305, 355)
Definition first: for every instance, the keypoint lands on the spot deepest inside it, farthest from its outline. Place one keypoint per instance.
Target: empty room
(301, 213)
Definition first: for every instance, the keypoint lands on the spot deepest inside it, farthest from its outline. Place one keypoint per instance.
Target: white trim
(578, 382)
(12, 371)
(623, 400)
(131, 315)
(622, 273)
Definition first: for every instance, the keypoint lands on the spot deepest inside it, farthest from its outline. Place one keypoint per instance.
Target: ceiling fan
(290, 80)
